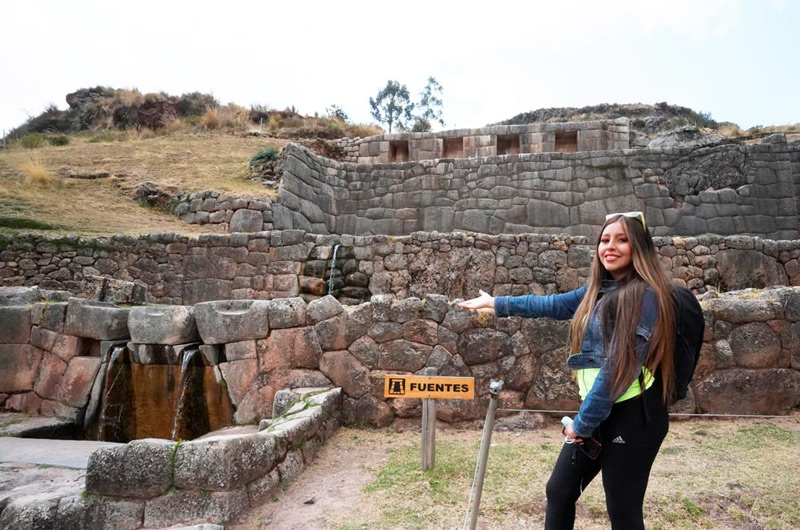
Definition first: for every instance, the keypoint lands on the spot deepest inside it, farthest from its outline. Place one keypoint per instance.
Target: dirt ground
(697, 481)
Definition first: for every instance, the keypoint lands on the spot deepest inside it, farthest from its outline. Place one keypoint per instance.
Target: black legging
(630, 445)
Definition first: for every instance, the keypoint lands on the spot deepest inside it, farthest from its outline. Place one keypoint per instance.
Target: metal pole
(494, 391)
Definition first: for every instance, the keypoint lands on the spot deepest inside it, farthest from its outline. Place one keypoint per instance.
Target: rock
(768, 391)
(687, 136)
(687, 405)
(237, 351)
(35, 512)
(421, 331)
(44, 339)
(50, 371)
(517, 372)
(367, 410)
(139, 469)
(223, 462)
(407, 309)
(284, 399)
(19, 364)
(96, 320)
(102, 513)
(113, 290)
(524, 421)
(385, 331)
(49, 316)
(324, 308)
(482, 345)
(77, 381)
(15, 324)
(17, 296)
(305, 378)
(435, 307)
(777, 138)
(239, 377)
(738, 311)
(247, 221)
(345, 371)
(755, 345)
(333, 333)
(455, 410)
(403, 355)
(553, 386)
(171, 324)
(366, 350)
(263, 488)
(232, 320)
(291, 467)
(69, 346)
(287, 313)
(545, 334)
(289, 348)
(181, 506)
(458, 320)
(359, 322)
(741, 268)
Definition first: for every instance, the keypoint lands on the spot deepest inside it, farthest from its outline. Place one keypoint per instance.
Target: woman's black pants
(631, 437)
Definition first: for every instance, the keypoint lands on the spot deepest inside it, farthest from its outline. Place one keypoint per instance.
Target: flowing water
(179, 402)
(333, 267)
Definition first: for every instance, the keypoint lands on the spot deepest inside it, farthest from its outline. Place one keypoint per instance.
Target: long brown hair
(620, 311)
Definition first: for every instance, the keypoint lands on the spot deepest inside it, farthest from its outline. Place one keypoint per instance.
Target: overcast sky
(737, 59)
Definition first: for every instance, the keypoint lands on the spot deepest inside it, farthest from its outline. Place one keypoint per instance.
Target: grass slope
(34, 196)
(709, 474)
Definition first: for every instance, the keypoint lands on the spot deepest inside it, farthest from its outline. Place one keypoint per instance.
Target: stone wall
(260, 347)
(724, 189)
(232, 212)
(185, 270)
(488, 141)
(157, 483)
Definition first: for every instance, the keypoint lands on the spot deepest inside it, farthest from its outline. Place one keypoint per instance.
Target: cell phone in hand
(590, 447)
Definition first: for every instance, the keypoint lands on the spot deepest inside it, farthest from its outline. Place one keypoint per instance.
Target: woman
(622, 339)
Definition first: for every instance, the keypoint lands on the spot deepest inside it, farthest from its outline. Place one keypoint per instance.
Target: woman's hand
(484, 301)
(569, 432)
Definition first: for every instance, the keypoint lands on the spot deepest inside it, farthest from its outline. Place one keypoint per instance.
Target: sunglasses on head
(633, 215)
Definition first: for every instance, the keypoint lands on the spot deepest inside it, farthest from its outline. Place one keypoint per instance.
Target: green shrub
(32, 140)
(192, 120)
(263, 157)
(58, 139)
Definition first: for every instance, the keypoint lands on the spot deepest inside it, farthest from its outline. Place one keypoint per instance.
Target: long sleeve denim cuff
(501, 306)
(580, 429)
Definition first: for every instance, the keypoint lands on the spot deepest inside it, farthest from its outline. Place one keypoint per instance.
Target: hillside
(77, 170)
(649, 120)
(85, 187)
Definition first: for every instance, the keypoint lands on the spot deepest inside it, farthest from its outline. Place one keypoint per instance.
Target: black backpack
(690, 326)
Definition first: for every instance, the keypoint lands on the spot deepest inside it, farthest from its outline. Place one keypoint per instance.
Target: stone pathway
(59, 453)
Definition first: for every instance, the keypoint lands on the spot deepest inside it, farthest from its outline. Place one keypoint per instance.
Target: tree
(392, 105)
(430, 104)
(336, 112)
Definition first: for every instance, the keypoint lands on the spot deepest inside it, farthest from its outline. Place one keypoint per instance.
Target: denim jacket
(598, 402)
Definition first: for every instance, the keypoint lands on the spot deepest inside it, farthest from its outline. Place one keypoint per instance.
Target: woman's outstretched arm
(558, 306)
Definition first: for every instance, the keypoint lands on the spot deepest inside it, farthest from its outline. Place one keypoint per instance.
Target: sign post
(428, 442)
(429, 388)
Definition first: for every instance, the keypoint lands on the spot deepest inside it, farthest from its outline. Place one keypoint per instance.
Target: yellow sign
(428, 387)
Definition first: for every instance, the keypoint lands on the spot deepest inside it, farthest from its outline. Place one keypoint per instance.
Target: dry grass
(730, 130)
(709, 474)
(35, 171)
(184, 162)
